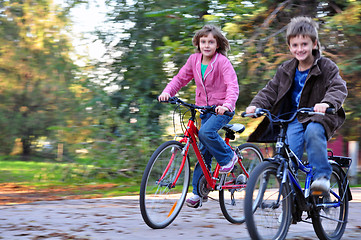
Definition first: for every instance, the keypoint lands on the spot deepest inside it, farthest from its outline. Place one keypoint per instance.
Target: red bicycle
(166, 178)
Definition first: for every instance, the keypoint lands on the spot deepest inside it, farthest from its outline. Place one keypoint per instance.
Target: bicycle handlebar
(212, 109)
(261, 111)
(331, 111)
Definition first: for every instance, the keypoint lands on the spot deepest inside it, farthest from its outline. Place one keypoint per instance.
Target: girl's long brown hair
(222, 41)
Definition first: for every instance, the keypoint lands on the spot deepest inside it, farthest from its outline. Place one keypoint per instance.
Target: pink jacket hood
(220, 85)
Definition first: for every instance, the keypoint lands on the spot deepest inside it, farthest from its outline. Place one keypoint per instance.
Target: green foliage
(129, 129)
(35, 69)
(106, 121)
(343, 32)
(157, 39)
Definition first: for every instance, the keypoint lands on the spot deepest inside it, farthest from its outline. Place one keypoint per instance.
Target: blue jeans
(312, 137)
(211, 144)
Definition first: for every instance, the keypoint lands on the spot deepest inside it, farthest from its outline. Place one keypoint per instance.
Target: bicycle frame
(283, 150)
(305, 193)
(275, 199)
(189, 138)
(166, 178)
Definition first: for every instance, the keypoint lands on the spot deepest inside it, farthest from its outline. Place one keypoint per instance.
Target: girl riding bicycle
(217, 84)
(307, 80)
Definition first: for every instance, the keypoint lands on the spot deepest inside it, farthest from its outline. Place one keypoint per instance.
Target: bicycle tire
(330, 223)
(160, 204)
(264, 219)
(232, 200)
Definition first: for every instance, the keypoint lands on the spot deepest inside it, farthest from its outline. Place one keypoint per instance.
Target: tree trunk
(26, 146)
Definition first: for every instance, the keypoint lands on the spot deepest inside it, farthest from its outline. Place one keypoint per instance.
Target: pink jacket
(220, 86)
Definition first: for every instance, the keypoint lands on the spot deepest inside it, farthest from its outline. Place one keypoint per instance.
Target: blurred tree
(343, 34)
(140, 60)
(35, 70)
(264, 47)
(257, 31)
(141, 66)
(159, 35)
(151, 40)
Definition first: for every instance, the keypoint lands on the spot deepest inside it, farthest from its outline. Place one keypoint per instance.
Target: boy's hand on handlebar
(164, 97)
(250, 109)
(321, 107)
(221, 110)
(253, 111)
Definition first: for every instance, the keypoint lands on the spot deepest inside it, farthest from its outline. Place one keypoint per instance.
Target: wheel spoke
(267, 204)
(330, 219)
(161, 198)
(231, 198)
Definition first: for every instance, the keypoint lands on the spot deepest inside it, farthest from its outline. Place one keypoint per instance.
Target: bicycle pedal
(317, 193)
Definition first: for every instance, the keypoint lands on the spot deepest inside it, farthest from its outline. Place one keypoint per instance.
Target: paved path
(119, 218)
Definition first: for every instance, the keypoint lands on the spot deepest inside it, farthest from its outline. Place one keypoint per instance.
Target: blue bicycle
(275, 197)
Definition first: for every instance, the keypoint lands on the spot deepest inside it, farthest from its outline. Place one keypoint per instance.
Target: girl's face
(301, 48)
(208, 46)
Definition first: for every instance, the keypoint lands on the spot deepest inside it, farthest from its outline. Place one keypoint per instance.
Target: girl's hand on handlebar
(221, 110)
(164, 97)
(321, 107)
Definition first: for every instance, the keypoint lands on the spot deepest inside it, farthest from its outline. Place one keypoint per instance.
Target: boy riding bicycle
(307, 80)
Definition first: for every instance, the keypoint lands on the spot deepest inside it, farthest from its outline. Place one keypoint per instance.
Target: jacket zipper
(200, 76)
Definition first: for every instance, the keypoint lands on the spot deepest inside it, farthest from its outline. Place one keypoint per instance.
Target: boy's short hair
(302, 26)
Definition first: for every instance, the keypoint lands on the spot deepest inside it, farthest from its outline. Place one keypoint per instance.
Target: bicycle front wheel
(267, 204)
(232, 200)
(160, 200)
(329, 222)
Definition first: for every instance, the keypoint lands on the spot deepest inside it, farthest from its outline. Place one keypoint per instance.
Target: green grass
(49, 175)
(19, 171)
(42, 175)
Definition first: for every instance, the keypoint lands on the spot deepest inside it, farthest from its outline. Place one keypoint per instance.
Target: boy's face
(301, 48)
(208, 46)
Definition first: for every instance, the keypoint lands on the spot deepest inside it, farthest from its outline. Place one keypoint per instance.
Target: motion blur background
(79, 79)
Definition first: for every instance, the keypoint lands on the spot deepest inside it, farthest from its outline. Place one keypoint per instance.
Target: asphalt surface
(119, 218)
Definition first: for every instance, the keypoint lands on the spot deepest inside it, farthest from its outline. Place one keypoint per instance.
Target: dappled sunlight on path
(119, 218)
(12, 193)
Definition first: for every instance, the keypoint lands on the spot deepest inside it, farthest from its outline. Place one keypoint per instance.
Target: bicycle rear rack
(340, 160)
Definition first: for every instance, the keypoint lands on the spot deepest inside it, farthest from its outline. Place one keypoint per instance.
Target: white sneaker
(195, 201)
(229, 166)
(320, 186)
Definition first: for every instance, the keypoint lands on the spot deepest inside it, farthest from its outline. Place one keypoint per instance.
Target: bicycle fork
(281, 173)
(174, 151)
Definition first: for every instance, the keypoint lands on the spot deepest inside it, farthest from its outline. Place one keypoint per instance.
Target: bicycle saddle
(237, 127)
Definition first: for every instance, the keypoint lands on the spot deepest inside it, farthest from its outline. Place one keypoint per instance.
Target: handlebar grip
(229, 114)
(331, 111)
(170, 100)
(257, 113)
(161, 101)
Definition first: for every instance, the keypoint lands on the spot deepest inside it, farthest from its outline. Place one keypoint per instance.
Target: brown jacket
(323, 85)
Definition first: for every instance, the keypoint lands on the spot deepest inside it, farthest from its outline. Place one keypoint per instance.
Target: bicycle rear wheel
(266, 216)
(330, 222)
(232, 200)
(160, 203)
